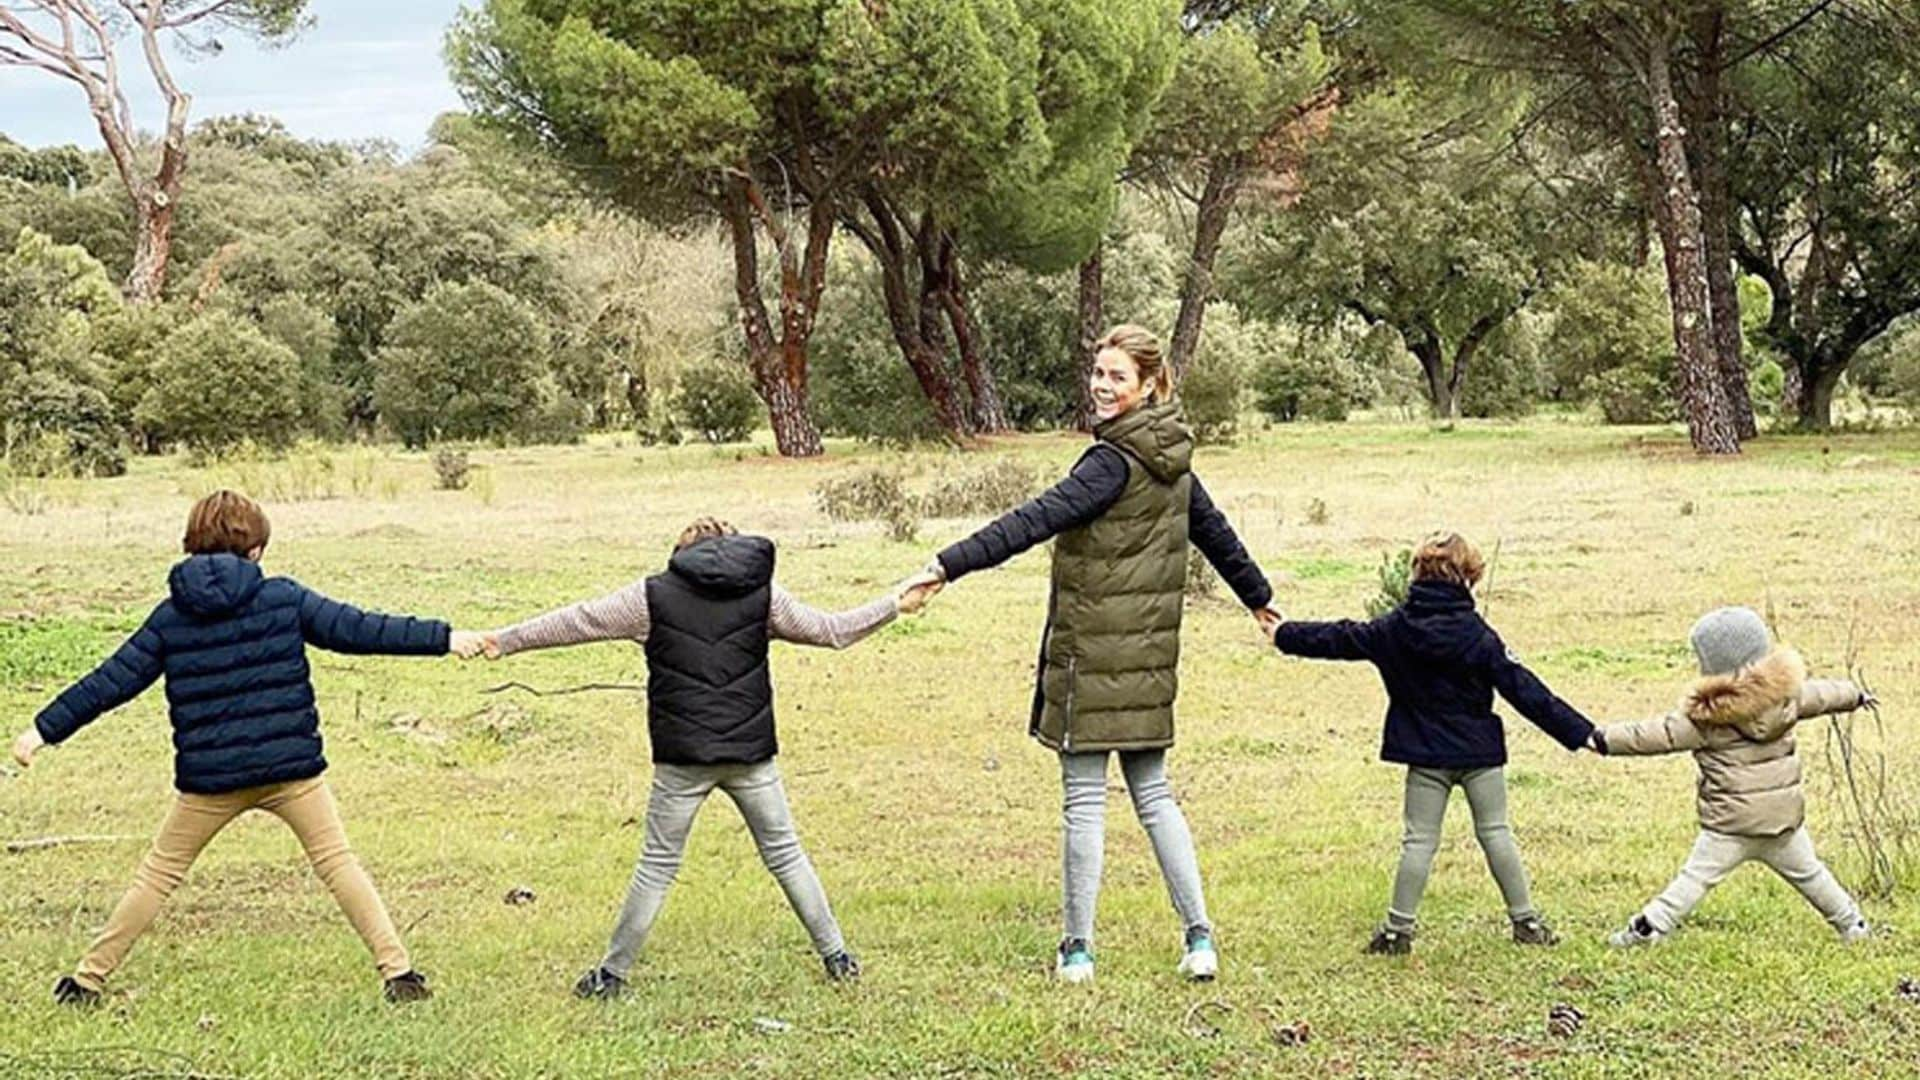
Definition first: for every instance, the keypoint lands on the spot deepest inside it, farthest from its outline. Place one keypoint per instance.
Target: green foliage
(451, 469)
(464, 362)
(1311, 376)
(55, 415)
(717, 402)
(872, 495)
(1610, 341)
(1214, 391)
(1505, 379)
(859, 385)
(217, 382)
(1395, 575)
(992, 490)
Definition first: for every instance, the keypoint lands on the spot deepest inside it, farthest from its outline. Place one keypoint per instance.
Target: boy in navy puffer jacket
(231, 643)
(1442, 664)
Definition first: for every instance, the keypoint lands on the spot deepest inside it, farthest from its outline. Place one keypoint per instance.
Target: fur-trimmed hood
(1758, 700)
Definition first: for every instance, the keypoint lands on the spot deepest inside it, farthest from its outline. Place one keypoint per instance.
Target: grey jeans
(1715, 855)
(1428, 791)
(1083, 779)
(678, 791)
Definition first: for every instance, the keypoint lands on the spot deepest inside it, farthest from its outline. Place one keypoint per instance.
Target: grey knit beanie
(1729, 638)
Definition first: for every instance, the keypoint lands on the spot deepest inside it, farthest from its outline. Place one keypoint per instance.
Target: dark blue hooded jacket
(232, 644)
(1442, 664)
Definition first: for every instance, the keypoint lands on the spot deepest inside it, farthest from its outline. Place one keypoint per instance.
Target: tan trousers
(308, 809)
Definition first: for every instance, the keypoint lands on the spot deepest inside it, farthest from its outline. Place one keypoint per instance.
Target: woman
(1109, 655)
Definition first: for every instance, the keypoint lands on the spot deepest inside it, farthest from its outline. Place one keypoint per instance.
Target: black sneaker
(843, 966)
(1533, 930)
(68, 991)
(408, 986)
(1388, 941)
(599, 984)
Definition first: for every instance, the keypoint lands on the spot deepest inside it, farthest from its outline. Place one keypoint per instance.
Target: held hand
(912, 594)
(466, 644)
(1867, 700)
(1269, 618)
(27, 745)
(490, 645)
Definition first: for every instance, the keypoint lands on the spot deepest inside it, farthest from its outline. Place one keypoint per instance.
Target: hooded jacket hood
(1155, 436)
(213, 585)
(725, 566)
(1438, 620)
(1758, 700)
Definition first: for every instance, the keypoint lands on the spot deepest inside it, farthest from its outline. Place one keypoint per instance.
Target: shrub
(1395, 575)
(451, 468)
(717, 402)
(218, 382)
(1215, 387)
(872, 495)
(1309, 377)
(995, 489)
(465, 362)
(55, 414)
(1504, 378)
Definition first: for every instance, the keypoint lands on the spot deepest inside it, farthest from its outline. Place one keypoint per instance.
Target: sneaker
(1075, 962)
(1390, 941)
(408, 986)
(843, 966)
(1638, 931)
(599, 985)
(1533, 930)
(68, 991)
(1201, 963)
(1856, 933)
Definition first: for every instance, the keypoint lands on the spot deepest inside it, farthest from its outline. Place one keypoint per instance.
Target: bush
(995, 489)
(1504, 379)
(218, 382)
(860, 385)
(1610, 341)
(451, 469)
(1309, 377)
(55, 415)
(1215, 388)
(717, 402)
(310, 333)
(872, 495)
(1395, 576)
(465, 362)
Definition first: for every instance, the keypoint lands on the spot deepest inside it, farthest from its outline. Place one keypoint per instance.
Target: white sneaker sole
(1200, 966)
(1073, 974)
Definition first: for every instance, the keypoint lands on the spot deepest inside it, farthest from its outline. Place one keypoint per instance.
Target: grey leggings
(1426, 807)
(678, 791)
(1083, 778)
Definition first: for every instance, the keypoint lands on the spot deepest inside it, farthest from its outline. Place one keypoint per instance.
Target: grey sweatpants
(1715, 855)
(1426, 808)
(1083, 780)
(678, 791)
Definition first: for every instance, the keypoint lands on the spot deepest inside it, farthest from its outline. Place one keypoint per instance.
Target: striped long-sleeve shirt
(621, 615)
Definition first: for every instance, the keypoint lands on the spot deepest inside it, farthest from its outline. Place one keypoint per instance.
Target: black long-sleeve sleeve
(1525, 692)
(1208, 530)
(1094, 485)
(1342, 639)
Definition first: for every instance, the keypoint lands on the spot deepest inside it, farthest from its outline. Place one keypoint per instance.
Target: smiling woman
(1109, 655)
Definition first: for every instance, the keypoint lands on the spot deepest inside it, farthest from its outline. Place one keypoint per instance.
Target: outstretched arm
(620, 615)
(1094, 485)
(790, 620)
(1820, 697)
(344, 628)
(1656, 735)
(131, 669)
(1525, 692)
(1209, 530)
(1345, 639)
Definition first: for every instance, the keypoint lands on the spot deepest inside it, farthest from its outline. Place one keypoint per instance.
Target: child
(1738, 721)
(705, 624)
(231, 643)
(1442, 664)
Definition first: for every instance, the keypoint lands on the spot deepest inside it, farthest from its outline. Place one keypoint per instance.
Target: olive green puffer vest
(1111, 658)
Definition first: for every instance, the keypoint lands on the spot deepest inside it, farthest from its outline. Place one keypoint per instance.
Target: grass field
(934, 819)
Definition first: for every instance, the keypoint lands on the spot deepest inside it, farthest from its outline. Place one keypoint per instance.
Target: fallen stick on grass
(536, 692)
(16, 847)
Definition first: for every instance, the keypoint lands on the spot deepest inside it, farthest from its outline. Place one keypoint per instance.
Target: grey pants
(678, 791)
(1426, 807)
(1083, 779)
(1715, 855)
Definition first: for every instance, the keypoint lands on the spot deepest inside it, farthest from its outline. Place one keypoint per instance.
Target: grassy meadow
(931, 816)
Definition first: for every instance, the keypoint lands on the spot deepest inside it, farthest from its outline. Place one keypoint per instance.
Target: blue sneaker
(1202, 963)
(1075, 962)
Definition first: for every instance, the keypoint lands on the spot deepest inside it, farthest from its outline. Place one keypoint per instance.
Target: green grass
(933, 818)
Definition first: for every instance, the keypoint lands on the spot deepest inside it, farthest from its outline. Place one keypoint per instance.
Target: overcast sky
(367, 68)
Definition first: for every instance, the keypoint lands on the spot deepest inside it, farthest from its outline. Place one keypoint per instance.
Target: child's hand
(912, 594)
(1269, 618)
(490, 645)
(1597, 742)
(466, 644)
(27, 745)
(1867, 700)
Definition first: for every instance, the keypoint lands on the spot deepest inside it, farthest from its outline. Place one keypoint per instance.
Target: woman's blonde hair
(1448, 556)
(1143, 348)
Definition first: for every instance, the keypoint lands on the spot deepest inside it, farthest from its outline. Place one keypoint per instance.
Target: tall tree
(79, 41)
(1253, 87)
(677, 110)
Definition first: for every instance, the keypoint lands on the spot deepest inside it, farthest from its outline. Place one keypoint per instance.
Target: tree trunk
(914, 316)
(1709, 421)
(1708, 138)
(1793, 391)
(1427, 349)
(1816, 398)
(989, 413)
(152, 247)
(779, 367)
(1092, 309)
(1196, 287)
